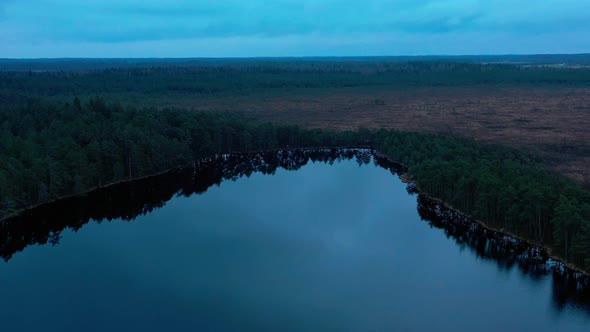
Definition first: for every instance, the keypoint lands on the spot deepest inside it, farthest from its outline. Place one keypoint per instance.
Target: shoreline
(85, 193)
(405, 179)
(374, 152)
(172, 169)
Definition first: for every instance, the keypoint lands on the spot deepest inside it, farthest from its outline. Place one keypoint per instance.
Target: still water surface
(325, 248)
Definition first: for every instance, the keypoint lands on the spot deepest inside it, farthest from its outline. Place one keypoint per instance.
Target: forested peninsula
(52, 150)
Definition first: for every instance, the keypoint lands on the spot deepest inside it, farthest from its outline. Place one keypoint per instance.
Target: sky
(254, 28)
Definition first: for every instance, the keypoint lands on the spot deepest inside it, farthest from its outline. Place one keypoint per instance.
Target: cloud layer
(31, 28)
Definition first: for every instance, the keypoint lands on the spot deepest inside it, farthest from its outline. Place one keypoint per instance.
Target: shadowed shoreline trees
(501, 187)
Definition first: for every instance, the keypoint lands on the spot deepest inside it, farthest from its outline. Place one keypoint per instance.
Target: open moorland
(554, 122)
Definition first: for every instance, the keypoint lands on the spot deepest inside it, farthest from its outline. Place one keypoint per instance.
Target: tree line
(130, 199)
(50, 150)
(502, 187)
(229, 78)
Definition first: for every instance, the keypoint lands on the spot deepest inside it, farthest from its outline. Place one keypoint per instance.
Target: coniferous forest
(161, 80)
(55, 147)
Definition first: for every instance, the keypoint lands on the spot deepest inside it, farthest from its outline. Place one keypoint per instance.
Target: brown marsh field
(552, 121)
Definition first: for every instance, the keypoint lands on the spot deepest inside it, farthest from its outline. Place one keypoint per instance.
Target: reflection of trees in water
(569, 287)
(131, 199)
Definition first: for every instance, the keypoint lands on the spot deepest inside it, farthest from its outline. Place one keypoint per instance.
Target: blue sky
(183, 28)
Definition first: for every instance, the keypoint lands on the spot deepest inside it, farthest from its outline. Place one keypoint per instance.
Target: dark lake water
(319, 247)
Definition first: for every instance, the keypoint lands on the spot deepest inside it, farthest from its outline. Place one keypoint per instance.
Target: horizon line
(299, 57)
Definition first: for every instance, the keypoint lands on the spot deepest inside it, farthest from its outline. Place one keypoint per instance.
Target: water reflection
(569, 287)
(128, 200)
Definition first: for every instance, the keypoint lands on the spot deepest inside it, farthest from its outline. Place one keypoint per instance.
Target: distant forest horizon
(89, 63)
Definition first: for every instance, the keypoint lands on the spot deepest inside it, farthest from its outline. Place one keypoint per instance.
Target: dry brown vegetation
(552, 121)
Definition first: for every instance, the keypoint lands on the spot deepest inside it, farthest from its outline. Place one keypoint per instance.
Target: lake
(302, 241)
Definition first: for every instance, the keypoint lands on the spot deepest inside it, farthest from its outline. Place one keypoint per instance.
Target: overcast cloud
(182, 28)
